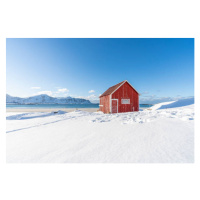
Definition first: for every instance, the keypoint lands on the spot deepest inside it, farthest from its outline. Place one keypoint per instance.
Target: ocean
(27, 106)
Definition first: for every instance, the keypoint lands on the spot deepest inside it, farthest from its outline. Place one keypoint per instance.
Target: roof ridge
(110, 89)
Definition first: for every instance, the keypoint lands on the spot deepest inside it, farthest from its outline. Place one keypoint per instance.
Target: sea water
(27, 106)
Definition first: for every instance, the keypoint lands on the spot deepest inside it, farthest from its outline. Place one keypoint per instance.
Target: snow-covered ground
(174, 104)
(164, 134)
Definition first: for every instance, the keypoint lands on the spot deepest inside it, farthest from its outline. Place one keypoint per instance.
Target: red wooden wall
(126, 92)
(105, 101)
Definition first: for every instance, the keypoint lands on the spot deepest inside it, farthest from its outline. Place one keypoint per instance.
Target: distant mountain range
(45, 99)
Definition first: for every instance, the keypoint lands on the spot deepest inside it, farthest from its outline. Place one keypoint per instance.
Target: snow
(174, 104)
(151, 136)
(33, 115)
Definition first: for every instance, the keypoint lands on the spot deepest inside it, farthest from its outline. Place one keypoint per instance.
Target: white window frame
(125, 103)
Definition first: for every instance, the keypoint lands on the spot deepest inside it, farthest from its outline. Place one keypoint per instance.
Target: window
(125, 101)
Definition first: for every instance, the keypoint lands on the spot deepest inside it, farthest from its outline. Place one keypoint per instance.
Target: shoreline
(50, 109)
(21, 110)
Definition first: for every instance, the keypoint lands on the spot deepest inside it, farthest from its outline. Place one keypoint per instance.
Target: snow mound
(174, 104)
(34, 115)
(149, 136)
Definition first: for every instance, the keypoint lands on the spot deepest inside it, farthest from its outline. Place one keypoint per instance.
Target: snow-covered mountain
(45, 99)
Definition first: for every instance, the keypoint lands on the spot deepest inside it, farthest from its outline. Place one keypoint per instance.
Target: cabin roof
(112, 89)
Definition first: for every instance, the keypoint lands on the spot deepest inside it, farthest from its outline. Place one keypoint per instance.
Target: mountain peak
(45, 99)
(42, 95)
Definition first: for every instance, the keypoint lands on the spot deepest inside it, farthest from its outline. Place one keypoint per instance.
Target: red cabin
(121, 97)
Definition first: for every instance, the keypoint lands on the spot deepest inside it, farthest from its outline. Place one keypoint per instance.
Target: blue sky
(159, 69)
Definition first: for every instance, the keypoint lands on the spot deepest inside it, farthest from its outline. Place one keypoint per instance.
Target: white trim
(110, 103)
(132, 87)
(100, 105)
(122, 84)
(118, 87)
(117, 104)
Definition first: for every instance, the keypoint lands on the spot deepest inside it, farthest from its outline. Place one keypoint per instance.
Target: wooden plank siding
(114, 96)
(105, 102)
(126, 92)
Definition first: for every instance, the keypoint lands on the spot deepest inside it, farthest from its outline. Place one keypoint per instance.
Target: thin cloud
(35, 88)
(91, 91)
(62, 90)
(92, 98)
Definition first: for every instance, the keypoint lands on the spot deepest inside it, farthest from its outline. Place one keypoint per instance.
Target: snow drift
(150, 136)
(174, 104)
(33, 115)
